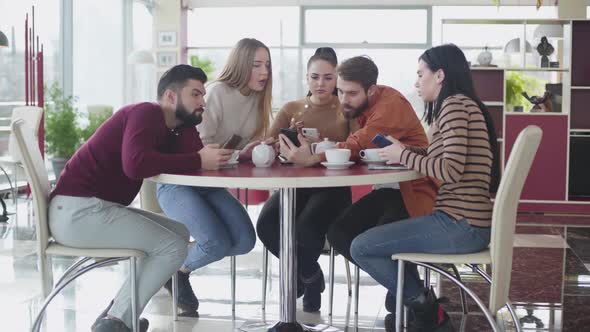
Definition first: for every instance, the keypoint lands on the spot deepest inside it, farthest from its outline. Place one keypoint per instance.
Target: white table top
(245, 175)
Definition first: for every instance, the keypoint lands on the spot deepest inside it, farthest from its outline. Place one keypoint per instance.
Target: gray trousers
(89, 222)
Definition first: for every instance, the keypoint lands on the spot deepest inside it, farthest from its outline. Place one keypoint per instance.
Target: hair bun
(326, 52)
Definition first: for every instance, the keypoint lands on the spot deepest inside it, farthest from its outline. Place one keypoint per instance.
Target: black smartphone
(381, 141)
(291, 135)
(232, 142)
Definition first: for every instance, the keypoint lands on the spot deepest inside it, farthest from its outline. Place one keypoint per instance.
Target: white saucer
(338, 165)
(375, 162)
(231, 164)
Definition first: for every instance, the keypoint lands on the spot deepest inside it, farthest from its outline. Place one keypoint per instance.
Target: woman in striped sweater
(463, 156)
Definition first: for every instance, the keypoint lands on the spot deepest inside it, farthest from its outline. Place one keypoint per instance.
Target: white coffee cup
(234, 156)
(338, 156)
(370, 154)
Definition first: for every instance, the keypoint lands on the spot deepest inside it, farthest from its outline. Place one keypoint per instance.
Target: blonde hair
(237, 72)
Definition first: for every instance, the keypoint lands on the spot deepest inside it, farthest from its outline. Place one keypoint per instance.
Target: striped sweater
(459, 155)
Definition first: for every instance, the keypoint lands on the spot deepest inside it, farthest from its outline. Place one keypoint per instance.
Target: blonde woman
(238, 103)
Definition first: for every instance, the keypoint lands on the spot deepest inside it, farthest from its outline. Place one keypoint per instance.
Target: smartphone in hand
(381, 141)
(312, 133)
(291, 135)
(232, 142)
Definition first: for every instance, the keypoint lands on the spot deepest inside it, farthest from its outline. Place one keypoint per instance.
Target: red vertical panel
(581, 53)
(547, 177)
(489, 84)
(580, 108)
(497, 116)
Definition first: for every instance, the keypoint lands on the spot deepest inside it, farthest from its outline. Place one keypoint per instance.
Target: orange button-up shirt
(390, 113)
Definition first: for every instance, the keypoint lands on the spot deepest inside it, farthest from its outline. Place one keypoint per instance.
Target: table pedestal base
(286, 327)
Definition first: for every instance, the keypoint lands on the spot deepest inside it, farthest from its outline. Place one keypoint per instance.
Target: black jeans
(316, 209)
(378, 207)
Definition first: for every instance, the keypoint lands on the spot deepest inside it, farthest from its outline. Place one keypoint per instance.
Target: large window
(12, 66)
(382, 26)
(276, 27)
(291, 44)
(98, 53)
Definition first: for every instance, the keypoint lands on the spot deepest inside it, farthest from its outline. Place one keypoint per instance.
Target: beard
(189, 119)
(351, 112)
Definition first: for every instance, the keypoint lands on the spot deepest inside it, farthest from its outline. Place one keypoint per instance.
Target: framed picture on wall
(166, 59)
(166, 38)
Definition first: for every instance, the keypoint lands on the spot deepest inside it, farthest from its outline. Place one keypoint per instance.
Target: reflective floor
(550, 288)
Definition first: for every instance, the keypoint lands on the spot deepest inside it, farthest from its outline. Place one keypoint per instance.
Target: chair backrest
(31, 115)
(147, 197)
(38, 179)
(505, 209)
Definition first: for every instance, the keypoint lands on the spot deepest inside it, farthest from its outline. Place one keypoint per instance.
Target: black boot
(426, 313)
(300, 287)
(143, 322)
(187, 300)
(314, 286)
(390, 302)
(390, 317)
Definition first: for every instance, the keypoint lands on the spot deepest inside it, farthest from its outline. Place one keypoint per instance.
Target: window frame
(426, 45)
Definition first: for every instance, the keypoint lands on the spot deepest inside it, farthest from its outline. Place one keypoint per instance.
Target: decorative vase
(485, 57)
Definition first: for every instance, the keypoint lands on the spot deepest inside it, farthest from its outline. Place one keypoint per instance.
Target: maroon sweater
(132, 145)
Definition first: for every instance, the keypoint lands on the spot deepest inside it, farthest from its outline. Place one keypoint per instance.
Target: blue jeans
(216, 220)
(437, 233)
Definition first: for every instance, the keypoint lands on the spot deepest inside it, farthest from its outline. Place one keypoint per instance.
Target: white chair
(31, 115)
(47, 247)
(499, 253)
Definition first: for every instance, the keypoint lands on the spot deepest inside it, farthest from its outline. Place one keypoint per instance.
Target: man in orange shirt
(378, 109)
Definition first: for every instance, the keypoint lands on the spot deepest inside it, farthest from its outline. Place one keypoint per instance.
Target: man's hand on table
(212, 157)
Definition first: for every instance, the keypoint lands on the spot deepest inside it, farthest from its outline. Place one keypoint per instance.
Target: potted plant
(516, 84)
(62, 135)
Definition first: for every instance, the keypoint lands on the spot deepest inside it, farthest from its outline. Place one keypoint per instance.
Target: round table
(286, 178)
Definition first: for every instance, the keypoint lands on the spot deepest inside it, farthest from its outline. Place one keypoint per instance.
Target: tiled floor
(550, 288)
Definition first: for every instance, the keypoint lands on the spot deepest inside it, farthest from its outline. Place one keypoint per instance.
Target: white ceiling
(245, 3)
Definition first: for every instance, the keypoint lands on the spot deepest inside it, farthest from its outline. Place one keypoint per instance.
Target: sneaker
(187, 300)
(314, 287)
(427, 313)
(144, 324)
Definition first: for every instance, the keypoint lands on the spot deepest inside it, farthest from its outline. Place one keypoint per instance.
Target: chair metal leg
(348, 278)
(72, 277)
(15, 190)
(426, 277)
(264, 276)
(72, 268)
(357, 281)
(461, 292)
(357, 285)
(488, 315)
(133, 283)
(399, 295)
(331, 282)
(233, 286)
(511, 309)
(175, 296)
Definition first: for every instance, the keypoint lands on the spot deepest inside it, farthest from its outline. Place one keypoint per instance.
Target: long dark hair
(458, 80)
(327, 54)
